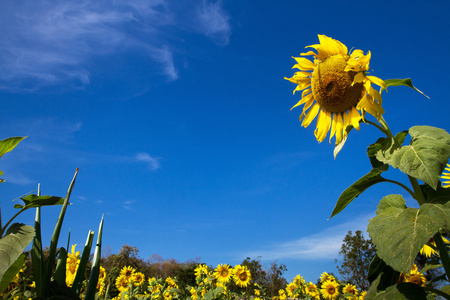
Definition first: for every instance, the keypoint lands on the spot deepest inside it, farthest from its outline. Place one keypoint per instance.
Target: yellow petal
(323, 125)
(377, 81)
(338, 128)
(358, 78)
(354, 118)
(311, 115)
(308, 53)
(333, 127)
(303, 100)
(304, 64)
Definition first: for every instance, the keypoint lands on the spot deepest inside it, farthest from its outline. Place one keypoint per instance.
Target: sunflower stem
(443, 253)
(403, 186)
(418, 194)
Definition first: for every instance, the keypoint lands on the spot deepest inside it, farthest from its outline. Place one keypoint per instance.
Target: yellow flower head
(127, 272)
(326, 277)
(138, 278)
(415, 276)
(329, 290)
(335, 88)
(290, 288)
(311, 289)
(200, 270)
(241, 275)
(446, 177)
(429, 251)
(72, 263)
(350, 289)
(222, 273)
(122, 283)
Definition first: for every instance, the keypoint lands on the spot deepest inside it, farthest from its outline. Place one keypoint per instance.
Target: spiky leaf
(8, 144)
(405, 82)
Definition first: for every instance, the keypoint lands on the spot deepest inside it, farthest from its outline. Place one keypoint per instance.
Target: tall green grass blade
(78, 281)
(54, 241)
(95, 270)
(37, 259)
(60, 271)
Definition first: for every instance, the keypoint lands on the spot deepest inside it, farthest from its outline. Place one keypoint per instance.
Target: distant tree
(275, 279)
(357, 252)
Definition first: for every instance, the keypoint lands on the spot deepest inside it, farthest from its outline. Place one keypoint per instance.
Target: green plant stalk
(443, 253)
(54, 240)
(420, 198)
(95, 271)
(9, 222)
(79, 277)
(37, 259)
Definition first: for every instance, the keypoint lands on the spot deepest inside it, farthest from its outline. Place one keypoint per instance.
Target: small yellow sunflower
(362, 295)
(298, 281)
(415, 276)
(222, 273)
(72, 263)
(138, 278)
(200, 270)
(446, 176)
(329, 290)
(326, 277)
(122, 283)
(282, 295)
(335, 88)
(171, 282)
(127, 272)
(429, 251)
(194, 294)
(241, 275)
(290, 288)
(350, 289)
(312, 290)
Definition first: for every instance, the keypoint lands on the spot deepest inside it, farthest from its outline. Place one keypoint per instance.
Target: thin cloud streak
(54, 43)
(324, 245)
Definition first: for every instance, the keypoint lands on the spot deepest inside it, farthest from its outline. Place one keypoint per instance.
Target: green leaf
(60, 272)
(95, 271)
(389, 276)
(424, 158)
(405, 82)
(79, 277)
(8, 144)
(17, 238)
(371, 178)
(12, 272)
(54, 240)
(401, 291)
(38, 201)
(399, 232)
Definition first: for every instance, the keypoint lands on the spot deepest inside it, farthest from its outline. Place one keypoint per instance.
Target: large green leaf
(399, 232)
(424, 158)
(371, 178)
(8, 144)
(17, 238)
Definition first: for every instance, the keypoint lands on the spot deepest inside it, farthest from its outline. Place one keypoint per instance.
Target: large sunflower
(335, 88)
(222, 273)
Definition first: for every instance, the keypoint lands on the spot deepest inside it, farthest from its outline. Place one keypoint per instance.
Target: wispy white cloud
(214, 22)
(324, 245)
(48, 43)
(128, 205)
(153, 162)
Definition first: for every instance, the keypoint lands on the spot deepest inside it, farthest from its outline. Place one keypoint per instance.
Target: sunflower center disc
(332, 86)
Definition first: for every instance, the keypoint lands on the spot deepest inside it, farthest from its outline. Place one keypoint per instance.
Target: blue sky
(178, 116)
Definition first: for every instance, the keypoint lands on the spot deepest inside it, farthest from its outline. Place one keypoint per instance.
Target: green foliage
(424, 158)
(17, 238)
(356, 189)
(399, 232)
